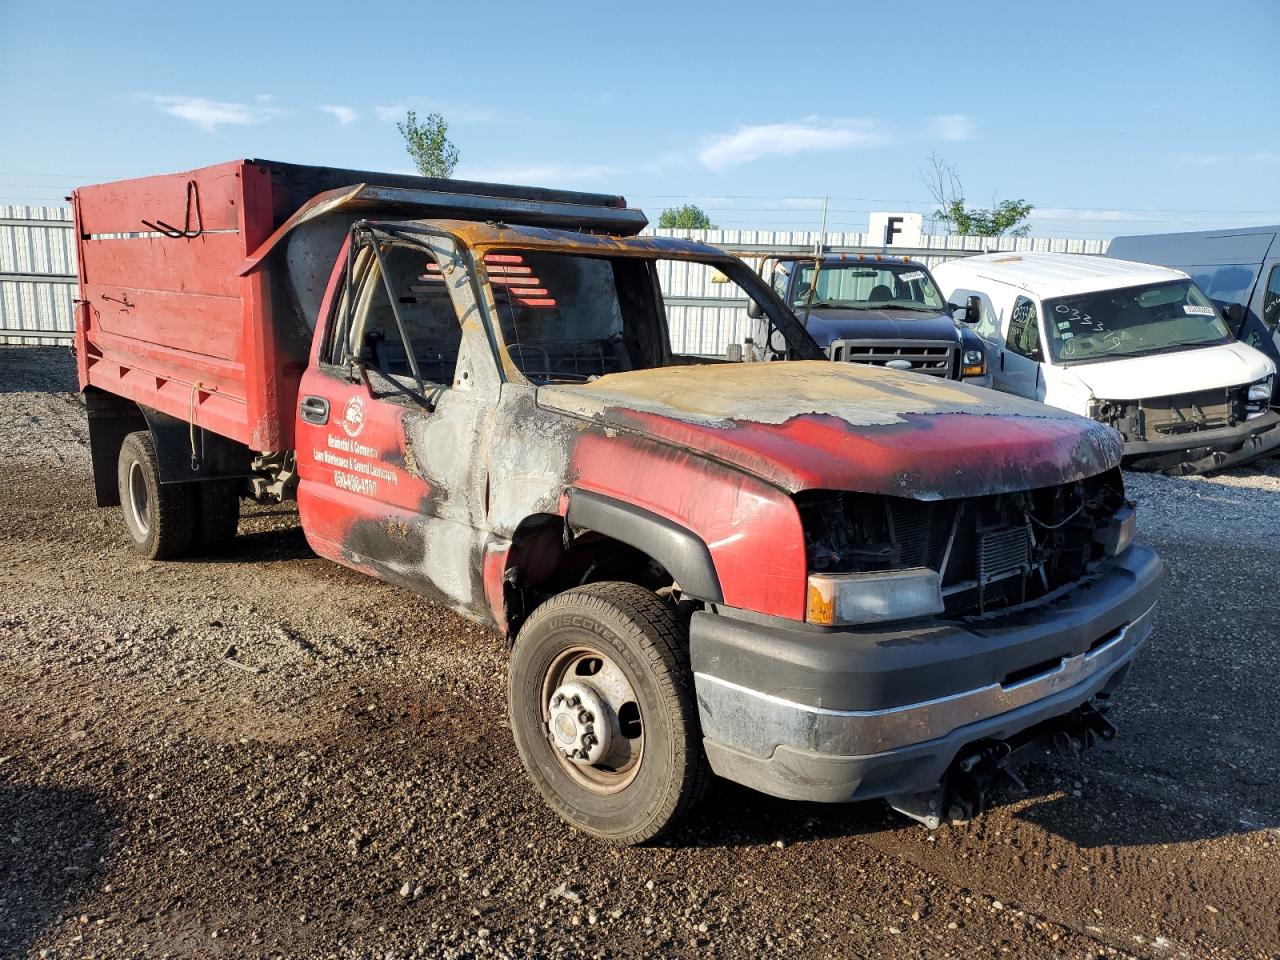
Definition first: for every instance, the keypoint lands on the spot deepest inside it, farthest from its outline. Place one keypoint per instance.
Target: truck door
(392, 437)
(1018, 359)
(1267, 337)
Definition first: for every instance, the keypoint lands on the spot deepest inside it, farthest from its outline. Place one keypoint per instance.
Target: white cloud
(785, 139)
(542, 174)
(211, 114)
(1199, 160)
(1266, 156)
(345, 115)
(1069, 213)
(951, 126)
(452, 112)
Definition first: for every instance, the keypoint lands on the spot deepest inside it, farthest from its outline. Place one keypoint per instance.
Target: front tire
(160, 517)
(609, 663)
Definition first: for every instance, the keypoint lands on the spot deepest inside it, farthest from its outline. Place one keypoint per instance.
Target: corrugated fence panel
(37, 274)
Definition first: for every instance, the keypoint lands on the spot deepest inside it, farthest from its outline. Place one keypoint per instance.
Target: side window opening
(404, 329)
(988, 326)
(780, 278)
(1271, 299)
(1024, 329)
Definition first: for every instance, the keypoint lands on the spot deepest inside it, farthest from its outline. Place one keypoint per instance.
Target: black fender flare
(216, 456)
(681, 552)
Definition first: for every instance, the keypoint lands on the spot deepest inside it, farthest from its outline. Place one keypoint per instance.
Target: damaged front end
(954, 638)
(987, 767)
(1192, 433)
(988, 552)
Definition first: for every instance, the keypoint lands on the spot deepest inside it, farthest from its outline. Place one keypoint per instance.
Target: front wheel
(602, 709)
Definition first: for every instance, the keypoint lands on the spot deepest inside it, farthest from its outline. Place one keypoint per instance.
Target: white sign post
(896, 229)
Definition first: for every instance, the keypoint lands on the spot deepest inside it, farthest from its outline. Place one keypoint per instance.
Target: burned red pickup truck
(824, 581)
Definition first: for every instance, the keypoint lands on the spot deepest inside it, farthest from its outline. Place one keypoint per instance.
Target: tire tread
(664, 640)
(175, 504)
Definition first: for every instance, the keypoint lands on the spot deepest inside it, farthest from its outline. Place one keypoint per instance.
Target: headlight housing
(837, 599)
(1116, 535)
(1258, 400)
(975, 363)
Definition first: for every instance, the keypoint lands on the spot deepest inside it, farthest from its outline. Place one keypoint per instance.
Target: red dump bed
(172, 316)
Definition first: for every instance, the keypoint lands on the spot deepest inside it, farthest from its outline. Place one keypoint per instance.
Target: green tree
(429, 145)
(1003, 218)
(688, 217)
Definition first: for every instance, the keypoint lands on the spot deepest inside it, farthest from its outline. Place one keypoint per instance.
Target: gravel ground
(269, 756)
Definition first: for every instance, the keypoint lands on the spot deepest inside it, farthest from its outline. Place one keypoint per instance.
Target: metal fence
(38, 274)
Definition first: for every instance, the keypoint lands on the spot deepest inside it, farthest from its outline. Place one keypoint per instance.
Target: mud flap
(987, 766)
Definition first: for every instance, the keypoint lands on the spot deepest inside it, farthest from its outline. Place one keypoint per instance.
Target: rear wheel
(160, 517)
(603, 713)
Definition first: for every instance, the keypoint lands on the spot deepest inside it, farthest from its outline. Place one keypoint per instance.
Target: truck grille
(936, 358)
(992, 552)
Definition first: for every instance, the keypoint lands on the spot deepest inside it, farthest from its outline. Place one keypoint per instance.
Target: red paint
(163, 315)
(493, 571)
(925, 455)
(752, 529)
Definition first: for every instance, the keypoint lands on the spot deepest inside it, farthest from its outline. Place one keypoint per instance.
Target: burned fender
(681, 553)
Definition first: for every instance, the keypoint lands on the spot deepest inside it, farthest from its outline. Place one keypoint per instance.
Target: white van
(1135, 346)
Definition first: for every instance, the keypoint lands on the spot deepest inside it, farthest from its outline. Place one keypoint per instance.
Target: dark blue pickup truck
(880, 309)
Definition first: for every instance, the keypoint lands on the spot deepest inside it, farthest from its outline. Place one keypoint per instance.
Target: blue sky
(1111, 117)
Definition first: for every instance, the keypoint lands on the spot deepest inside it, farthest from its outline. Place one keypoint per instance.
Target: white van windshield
(1132, 322)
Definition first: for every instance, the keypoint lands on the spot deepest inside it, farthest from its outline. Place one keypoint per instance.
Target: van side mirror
(1234, 313)
(970, 313)
(754, 310)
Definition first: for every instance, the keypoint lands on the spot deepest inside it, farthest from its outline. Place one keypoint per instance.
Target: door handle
(315, 410)
(1002, 361)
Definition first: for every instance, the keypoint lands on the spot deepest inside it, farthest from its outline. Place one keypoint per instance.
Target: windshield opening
(863, 286)
(1132, 322)
(569, 318)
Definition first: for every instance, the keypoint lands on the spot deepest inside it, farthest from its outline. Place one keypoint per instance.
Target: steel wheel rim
(139, 498)
(615, 688)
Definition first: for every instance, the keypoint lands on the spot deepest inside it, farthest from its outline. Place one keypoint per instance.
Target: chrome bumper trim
(757, 723)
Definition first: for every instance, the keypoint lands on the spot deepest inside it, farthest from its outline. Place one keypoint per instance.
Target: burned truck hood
(805, 425)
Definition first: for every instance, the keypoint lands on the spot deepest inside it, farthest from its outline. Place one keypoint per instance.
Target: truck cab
(880, 310)
(826, 581)
(1136, 346)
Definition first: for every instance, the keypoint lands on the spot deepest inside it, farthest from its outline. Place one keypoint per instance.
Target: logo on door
(353, 417)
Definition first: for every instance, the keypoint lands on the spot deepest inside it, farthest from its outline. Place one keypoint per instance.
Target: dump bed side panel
(164, 319)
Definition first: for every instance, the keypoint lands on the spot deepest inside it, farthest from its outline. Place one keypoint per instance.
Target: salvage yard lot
(265, 754)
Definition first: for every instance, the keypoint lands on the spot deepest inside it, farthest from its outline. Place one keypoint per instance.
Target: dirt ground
(267, 755)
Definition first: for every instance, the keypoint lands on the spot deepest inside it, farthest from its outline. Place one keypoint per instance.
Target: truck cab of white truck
(1135, 346)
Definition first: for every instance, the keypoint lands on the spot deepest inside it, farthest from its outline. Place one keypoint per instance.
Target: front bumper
(845, 714)
(1206, 450)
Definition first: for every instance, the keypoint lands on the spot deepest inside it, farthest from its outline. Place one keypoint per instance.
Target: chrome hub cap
(581, 727)
(592, 720)
(138, 499)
